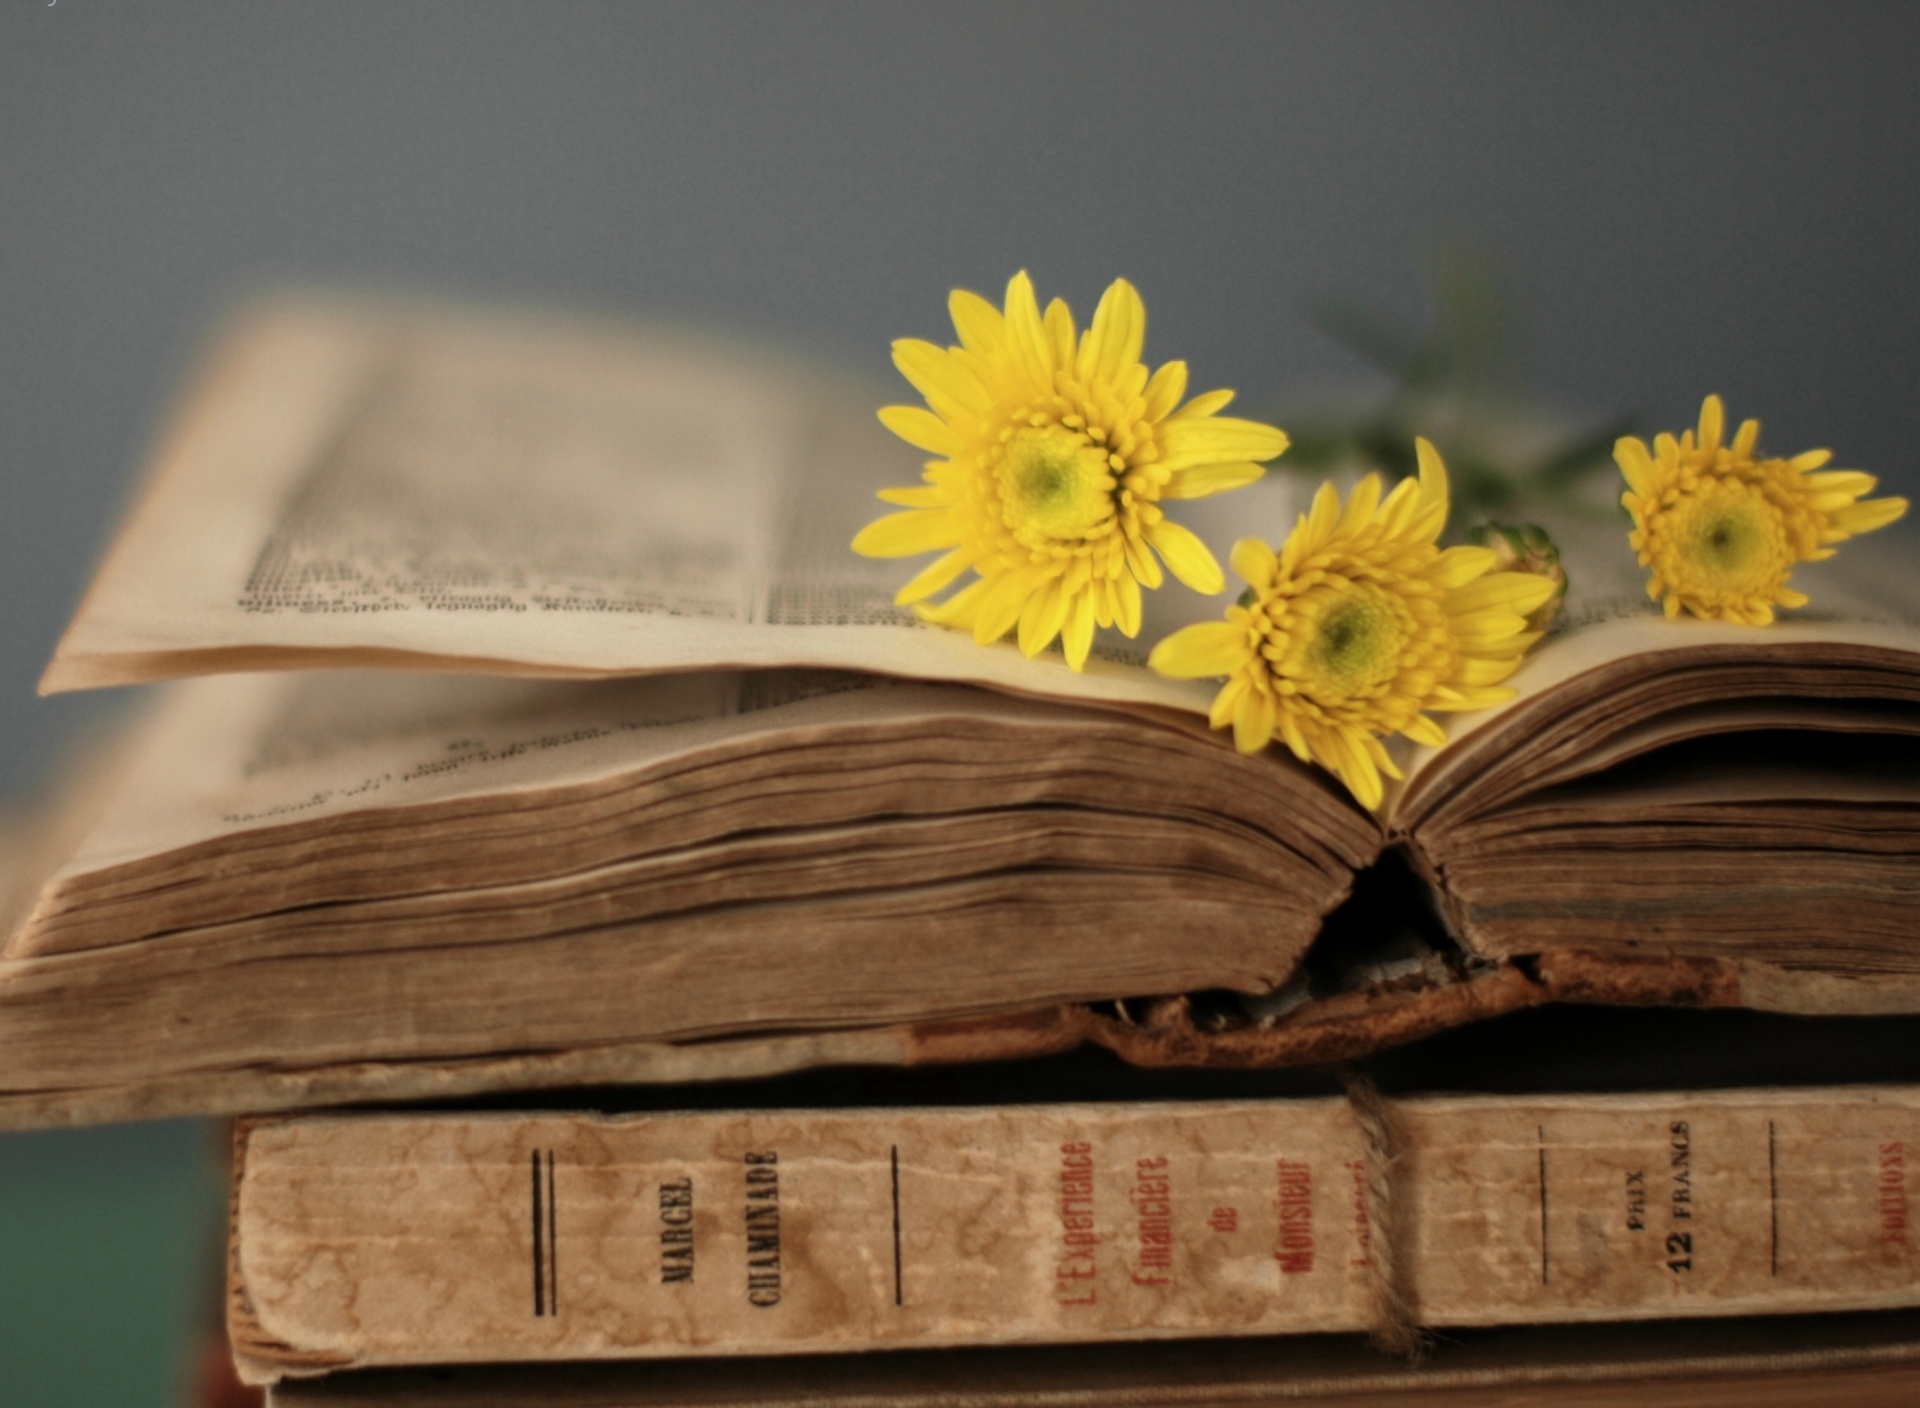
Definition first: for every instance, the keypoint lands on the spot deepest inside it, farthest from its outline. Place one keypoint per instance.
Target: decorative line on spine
(897, 1300)
(1541, 1130)
(546, 1238)
(1773, 1198)
(539, 1249)
(553, 1240)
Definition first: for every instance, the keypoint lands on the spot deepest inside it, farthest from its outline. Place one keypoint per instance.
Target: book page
(359, 484)
(234, 754)
(1866, 598)
(255, 794)
(451, 869)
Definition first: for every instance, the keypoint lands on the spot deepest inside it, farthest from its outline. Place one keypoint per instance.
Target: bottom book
(367, 1241)
(1835, 1361)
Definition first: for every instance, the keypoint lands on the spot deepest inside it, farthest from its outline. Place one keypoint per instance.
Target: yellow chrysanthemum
(1721, 529)
(1357, 626)
(1058, 452)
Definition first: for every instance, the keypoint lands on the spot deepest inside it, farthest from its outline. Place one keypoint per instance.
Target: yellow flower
(1057, 454)
(1358, 625)
(1721, 529)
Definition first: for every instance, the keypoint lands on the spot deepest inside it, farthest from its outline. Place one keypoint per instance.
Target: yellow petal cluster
(1358, 625)
(1721, 529)
(1056, 452)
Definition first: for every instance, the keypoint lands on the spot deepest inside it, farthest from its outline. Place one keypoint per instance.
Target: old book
(1836, 1361)
(362, 1241)
(785, 824)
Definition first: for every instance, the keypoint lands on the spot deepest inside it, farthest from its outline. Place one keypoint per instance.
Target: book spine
(447, 1238)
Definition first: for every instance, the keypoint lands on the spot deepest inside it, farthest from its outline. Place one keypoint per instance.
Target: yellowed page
(1867, 597)
(228, 755)
(358, 484)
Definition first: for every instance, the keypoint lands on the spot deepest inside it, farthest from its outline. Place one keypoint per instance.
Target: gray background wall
(1692, 198)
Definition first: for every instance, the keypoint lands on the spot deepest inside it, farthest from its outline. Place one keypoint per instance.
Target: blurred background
(1631, 205)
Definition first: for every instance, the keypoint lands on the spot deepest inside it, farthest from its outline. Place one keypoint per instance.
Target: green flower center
(1347, 642)
(1730, 539)
(1353, 640)
(1054, 484)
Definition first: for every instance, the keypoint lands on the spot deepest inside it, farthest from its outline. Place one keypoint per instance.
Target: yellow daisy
(1721, 529)
(1358, 625)
(1057, 454)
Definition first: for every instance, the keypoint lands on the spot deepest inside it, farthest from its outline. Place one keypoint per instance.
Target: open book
(665, 786)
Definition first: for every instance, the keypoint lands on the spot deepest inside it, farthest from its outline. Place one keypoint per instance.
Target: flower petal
(1377, 755)
(1851, 482)
(1713, 422)
(1119, 332)
(1165, 389)
(1126, 605)
(1040, 618)
(1433, 475)
(935, 577)
(1205, 480)
(1474, 671)
(1025, 333)
(1630, 453)
(1516, 592)
(1000, 606)
(1255, 562)
(1322, 514)
(916, 496)
(1455, 567)
(1253, 721)
(1077, 634)
(1399, 508)
(957, 610)
(982, 327)
(904, 534)
(1203, 405)
(1216, 438)
(1226, 701)
(1141, 562)
(1486, 628)
(1422, 729)
(921, 428)
(1186, 556)
(1463, 699)
(1059, 332)
(1350, 761)
(1357, 512)
(1865, 517)
(1290, 732)
(952, 390)
(1202, 651)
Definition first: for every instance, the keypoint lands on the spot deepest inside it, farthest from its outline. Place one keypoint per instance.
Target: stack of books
(544, 782)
